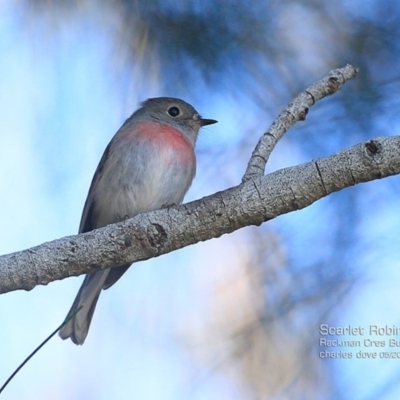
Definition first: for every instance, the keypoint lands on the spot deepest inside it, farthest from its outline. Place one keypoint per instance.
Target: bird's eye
(173, 111)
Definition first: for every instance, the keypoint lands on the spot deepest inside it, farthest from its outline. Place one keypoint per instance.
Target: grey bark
(257, 199)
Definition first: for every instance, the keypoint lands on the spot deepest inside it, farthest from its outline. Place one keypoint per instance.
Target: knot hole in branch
(372, 147)
(156, 236)
(334, 84)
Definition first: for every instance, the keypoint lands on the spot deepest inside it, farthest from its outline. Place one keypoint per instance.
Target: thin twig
(37, 349)
(294, 112)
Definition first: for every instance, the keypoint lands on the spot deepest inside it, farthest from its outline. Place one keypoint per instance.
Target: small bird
(150, 163)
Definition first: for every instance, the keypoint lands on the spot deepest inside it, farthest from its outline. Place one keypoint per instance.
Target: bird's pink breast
(168, 141)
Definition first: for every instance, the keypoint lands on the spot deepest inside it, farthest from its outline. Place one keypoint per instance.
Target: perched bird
(150, 163)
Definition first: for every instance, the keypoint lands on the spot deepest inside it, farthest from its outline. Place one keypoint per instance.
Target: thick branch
(162, 231)
(294, 112)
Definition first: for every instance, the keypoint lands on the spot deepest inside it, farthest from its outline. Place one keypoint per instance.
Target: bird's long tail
(77, 327)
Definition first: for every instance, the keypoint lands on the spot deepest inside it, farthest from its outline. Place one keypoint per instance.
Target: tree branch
(253, 202)
(159, 232)
(294, 112)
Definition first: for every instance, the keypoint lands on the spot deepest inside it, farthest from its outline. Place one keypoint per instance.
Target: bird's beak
(204, 121)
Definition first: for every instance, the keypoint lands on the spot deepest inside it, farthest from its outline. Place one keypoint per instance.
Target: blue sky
(61, 104)
(61, 101)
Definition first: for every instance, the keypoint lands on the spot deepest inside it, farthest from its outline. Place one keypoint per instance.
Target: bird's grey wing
(88, 220)
(78, 326)
(114, 274)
